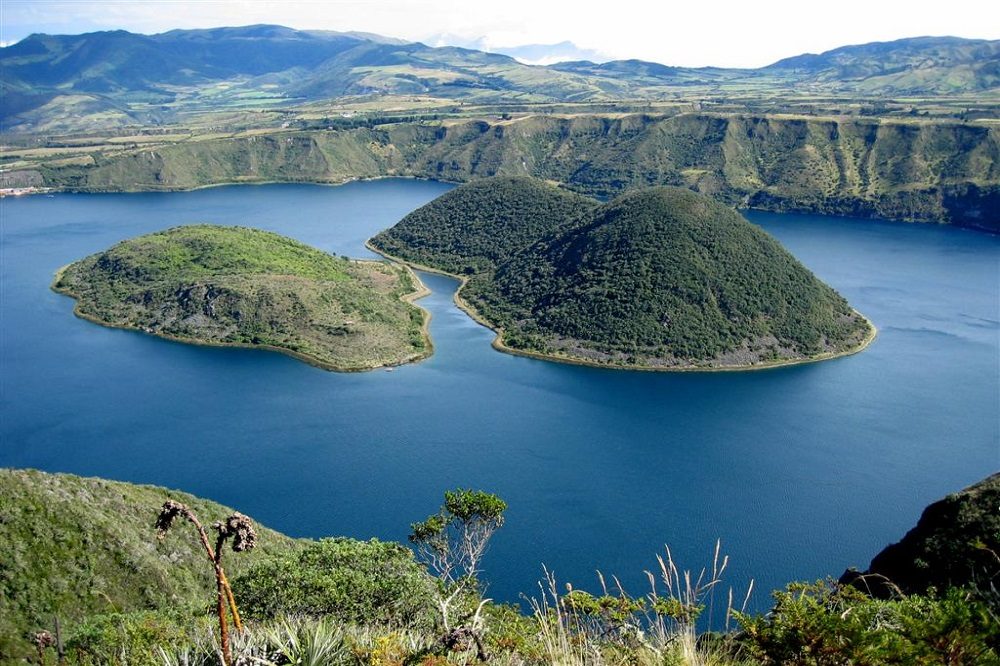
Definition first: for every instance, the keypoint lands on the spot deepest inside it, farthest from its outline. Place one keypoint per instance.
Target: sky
(725, 33)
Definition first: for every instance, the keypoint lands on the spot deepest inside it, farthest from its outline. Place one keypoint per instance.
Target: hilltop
(658, 278)
(665, 278)
(914, 65)
(478, 225)
(245, 287)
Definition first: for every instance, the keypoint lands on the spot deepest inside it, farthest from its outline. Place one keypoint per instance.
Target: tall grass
(661, 626)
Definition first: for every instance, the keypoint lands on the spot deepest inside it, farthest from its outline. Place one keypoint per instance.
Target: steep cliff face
(956, 542)
(931, 172)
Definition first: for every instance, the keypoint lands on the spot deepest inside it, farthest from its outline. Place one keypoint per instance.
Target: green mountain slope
(117, 61)
(152, 77)
(73, 547)
(919, 65)
(664, 278)
(480, 224)
(246, 287)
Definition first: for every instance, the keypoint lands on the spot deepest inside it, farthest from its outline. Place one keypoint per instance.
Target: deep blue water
(800, 471)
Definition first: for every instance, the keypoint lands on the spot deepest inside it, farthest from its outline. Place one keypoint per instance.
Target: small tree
(452, 543)
(237, 527)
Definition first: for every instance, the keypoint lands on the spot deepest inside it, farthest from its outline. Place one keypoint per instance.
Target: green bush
(371, 582)
(131, 639)
(823, 624)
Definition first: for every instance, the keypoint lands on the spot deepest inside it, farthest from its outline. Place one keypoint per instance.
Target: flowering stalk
(236, 527)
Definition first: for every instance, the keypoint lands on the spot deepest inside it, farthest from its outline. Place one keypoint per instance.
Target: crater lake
(800, 471)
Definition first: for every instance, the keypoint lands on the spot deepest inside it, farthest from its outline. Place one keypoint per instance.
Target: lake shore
(499, 345)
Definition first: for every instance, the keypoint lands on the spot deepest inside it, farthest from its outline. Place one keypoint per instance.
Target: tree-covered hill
(661, 277)
(664, 277)
(247, 287)
(477, 226)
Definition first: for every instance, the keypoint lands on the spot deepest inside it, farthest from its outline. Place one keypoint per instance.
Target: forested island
(661, 278)
(236, 286)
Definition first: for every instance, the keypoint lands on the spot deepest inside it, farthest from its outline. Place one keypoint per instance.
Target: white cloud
(733, 33)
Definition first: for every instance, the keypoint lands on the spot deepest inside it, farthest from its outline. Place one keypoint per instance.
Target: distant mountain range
(123, 78)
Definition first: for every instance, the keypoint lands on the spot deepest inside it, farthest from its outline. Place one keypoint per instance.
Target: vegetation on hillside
(74, 548)
(338, 602)
(902, 130)
(117, 78)
(664, 277)
(955, 543)
(826, 624)
(347, 581)
(914, 65)
(479, 225)
(241, 286)
(910, 170)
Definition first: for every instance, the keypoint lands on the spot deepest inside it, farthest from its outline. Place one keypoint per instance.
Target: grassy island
(658, 279)
(236, 286)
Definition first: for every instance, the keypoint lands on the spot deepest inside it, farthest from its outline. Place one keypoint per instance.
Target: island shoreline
(498, 344)
(420, 291)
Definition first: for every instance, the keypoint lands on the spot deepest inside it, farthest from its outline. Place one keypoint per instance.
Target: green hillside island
(479, 225)
(658, 279)
(235, 286)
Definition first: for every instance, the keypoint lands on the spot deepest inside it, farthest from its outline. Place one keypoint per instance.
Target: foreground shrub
(132, 639)
(369, 582)
(823, 623)
(452, 543)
